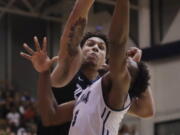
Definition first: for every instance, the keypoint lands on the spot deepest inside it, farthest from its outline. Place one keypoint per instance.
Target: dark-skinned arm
(119, 75)
(51, 113)
(143, 106)
(70, 51)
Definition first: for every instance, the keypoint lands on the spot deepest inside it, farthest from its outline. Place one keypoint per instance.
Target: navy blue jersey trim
(102, 115)
(107, 132)
(115, 110)
(104, 122)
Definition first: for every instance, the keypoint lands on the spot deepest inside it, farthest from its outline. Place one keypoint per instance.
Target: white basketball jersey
(92, 116)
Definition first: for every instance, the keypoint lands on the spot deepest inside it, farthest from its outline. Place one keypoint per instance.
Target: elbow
(46, 119)
(152, 112)
(58, 82)
(148, 114)
(46, 123)
(49, 122)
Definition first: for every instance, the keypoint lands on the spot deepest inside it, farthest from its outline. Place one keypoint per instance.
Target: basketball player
(101, 106)
(74, 84)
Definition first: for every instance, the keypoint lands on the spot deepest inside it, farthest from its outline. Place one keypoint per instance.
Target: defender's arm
(143, 106)
(70, 51)
(119, 75)
(51, 113)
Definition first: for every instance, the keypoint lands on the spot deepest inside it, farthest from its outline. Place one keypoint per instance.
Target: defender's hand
(39, 58)
(135, 53)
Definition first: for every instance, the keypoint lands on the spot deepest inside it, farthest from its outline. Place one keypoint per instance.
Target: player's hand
(135, 53)
(39, 58)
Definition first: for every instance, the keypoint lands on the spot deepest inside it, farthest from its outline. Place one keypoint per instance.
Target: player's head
(139, 78)
(94, 48)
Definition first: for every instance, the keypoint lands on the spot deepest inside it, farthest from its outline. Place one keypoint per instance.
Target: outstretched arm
(142, 106)
(119, 75)
(48, 108)
(51, 113)
(118, 35)
(70, 51)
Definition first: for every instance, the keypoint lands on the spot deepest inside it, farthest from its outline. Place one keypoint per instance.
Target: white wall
(166, 88)
(173, 33)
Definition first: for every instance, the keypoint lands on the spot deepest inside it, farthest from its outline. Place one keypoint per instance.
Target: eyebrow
(95, 41)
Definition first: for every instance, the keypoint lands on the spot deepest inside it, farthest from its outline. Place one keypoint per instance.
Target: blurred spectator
(128, 130)
(22, 131)
(124, 130)
(18, 114)
(13, 118)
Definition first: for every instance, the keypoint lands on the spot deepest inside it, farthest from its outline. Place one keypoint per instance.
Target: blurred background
(154, 27)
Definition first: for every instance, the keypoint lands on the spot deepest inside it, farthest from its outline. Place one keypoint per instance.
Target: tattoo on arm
(75, 36)
(65, 69)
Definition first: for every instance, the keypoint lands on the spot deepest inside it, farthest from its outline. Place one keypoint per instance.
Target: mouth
(93, 56)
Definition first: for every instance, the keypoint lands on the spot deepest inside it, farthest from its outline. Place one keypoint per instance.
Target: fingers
(44, 47)
(26, 56)
(55, 59)
(132, 50)
(36, 44)
(137, 58)
(37, 47)
(135, 53)
(28, 49)
(138, 55)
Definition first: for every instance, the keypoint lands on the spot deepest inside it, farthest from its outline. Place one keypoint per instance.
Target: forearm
(80, 10)
(75, 24)
(119, 29)
(143, 106)
(47, 105)
(147, 103)
(70, 51)
(65, 70)
(118, 35)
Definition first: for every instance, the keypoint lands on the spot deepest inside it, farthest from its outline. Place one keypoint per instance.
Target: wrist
(46, 72)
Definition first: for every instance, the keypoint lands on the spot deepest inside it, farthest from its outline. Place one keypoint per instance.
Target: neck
(90, 73)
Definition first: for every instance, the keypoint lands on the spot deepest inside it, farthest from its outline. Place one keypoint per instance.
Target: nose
(95, 48)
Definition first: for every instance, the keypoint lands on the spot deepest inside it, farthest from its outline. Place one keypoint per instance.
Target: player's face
(94, 51)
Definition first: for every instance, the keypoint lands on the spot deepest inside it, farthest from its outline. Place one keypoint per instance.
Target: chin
(90, 63)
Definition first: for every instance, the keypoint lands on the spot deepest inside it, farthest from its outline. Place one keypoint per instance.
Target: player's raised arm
(143, 105)
(48, 108)
(118, 35)
(70, 51)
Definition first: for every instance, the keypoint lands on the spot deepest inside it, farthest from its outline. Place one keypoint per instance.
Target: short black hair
(141, 82)
(95, 34)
